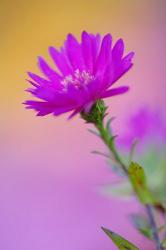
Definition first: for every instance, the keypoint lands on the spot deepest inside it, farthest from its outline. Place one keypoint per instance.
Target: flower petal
(115, 91)
(94, 88)
(124, 66)
(43, 108)
(118, 70)
(60, 61)
(38, 79)
(48, 71)
(75, 112)
(61, 110)
(118, 49)
(95, 40)
(77, 95)
(104, 54)
(87, 50)
(74, 53)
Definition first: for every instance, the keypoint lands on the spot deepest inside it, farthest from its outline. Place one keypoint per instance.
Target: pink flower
(86, 73)
(146, 126)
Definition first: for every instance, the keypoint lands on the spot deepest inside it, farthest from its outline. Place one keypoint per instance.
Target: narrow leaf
(142, 225)
(101, 153)
(132, 150)
(138, 181)
(94, 132)
(119, 241)
(112, 139)
(118, 189)
(108, 125)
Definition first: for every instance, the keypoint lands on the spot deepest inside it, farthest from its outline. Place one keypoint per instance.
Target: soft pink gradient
(49, 180)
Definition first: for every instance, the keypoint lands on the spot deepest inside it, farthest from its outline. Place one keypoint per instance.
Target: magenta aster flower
(86, 73)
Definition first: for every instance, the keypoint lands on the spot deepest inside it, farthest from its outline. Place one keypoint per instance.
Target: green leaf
(112, 139)
(132, 150)
(119, 241)
(121, 190)
(94, 132)
(147, 232)
(142, 225)
(138, 181)
(101, 153)
(163, 244)
(108, 124)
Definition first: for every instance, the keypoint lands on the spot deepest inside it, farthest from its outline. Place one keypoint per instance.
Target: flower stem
(107, 139)
(152, 222)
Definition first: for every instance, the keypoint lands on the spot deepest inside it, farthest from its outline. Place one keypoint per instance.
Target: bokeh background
(49, 181)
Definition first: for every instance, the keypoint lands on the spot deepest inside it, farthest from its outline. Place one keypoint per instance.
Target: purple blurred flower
(144, 126)
(86, 71)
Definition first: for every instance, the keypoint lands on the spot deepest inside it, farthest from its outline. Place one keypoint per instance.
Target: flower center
(78, 78)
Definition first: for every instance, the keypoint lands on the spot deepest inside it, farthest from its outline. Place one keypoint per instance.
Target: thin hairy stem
(152, 222)
(107, 139)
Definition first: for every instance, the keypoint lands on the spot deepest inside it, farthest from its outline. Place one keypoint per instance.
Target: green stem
(109, 142)
(107, 139)
(152, 222)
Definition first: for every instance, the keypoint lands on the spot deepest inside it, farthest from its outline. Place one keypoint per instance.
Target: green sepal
(96, 113)
(119, 241)
(139, 183)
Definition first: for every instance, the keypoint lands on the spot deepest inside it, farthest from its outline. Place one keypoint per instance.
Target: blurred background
(49, 181)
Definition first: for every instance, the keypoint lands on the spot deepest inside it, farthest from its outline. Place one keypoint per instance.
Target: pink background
(49, 181)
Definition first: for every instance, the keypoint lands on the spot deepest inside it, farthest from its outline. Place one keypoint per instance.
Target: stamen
(78, 79)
